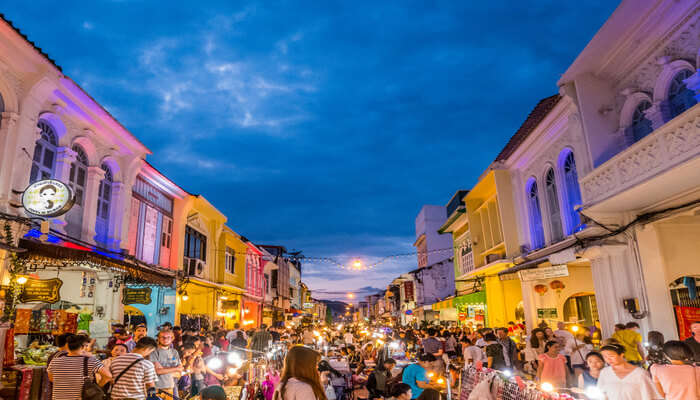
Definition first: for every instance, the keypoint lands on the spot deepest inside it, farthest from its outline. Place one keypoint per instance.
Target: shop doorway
(686, 303)
(520, 312)
(133, 316)
(581, 308)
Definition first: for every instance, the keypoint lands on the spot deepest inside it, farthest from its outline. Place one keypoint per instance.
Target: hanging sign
(308, 305)
(136, 295)
(41, 290)
(686, 316)
(547, 313)
(555, 271)
(47, 198)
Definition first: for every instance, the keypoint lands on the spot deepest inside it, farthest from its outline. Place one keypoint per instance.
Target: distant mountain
(337, 307)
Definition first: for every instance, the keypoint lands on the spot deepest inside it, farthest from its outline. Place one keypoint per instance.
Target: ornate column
(8, 127)
(65, 156)
(656, 113)
(92, 186)
(656, 279)
(615, 277)
(116, 215)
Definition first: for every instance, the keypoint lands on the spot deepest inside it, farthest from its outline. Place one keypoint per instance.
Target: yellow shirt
(629, 339)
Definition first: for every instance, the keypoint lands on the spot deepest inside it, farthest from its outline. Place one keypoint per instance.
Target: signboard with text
(41, 290)
(547, 313)
(136, 295)
(555, 271)
(47, 198)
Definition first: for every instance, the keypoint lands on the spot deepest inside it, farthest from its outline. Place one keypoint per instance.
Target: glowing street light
(357, 264)
(351, 295)
(22, 280)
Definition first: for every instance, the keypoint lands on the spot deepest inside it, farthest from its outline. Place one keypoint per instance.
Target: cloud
(331, 124)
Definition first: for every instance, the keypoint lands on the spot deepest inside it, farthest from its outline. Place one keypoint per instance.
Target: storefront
(206, 305)
(554, 293)
(148, 304)
(72, 288)
(464, 309)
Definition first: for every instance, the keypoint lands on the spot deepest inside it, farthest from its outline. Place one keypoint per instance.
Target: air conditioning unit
(194, 267)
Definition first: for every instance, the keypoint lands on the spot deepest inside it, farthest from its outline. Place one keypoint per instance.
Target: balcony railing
(466, 263)
(668, 146)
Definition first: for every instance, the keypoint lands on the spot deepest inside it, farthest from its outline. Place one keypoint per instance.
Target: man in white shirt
(565, 340)
(348, 337)
(472, 353)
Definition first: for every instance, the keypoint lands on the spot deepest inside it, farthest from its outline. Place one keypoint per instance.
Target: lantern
(557, 285)
(541, 289)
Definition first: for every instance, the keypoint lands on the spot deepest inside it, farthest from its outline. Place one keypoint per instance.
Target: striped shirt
(67, 373)
(132, 385)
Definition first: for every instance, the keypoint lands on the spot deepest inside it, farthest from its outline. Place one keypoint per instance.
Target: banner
(408, 291)
(686, 316)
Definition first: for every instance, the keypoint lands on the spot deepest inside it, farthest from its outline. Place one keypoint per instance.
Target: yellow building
(483, 225)
(209, 294)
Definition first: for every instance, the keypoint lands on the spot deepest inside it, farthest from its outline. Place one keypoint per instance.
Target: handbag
(91, 390)
(109, 391)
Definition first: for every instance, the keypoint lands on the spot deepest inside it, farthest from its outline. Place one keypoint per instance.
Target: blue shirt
(411, 375)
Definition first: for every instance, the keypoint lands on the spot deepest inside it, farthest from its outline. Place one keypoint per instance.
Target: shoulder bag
(91, 390)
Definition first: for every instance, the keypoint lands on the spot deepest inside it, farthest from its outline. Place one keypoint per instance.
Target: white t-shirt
(474, 353)
(297, 390)
(348, 338)
(578, 357)
(637, 385)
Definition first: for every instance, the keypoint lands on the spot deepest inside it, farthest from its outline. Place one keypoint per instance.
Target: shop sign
(136, 295)
(547, 313)
(462, 316)
(41, 290)
(308, 305)
(47, 198)
(555, 271)
(230, 305)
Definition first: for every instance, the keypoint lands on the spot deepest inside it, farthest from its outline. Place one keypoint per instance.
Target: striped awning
(467, 299)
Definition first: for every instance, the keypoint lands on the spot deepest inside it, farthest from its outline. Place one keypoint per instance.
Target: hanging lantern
(557, 285)
(541, 289)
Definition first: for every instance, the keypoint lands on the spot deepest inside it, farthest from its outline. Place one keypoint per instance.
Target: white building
(636, 87)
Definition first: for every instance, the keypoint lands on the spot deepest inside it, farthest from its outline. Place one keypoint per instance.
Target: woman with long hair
(300, 377)
(552, 365)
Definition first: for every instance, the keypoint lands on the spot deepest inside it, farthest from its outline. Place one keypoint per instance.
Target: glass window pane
(48, 158)
(81, 177)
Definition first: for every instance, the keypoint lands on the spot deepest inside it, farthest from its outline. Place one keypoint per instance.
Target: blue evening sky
(321, 126)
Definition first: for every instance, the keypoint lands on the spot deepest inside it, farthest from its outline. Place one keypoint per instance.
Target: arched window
(680, 98)
(573, 193)
(104, 198)
(536, 232)
(44, 160)
(78, 174)
(550, 185)
(641, 125)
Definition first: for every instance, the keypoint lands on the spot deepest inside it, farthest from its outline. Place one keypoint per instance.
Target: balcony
(673, 146)
(466, 263)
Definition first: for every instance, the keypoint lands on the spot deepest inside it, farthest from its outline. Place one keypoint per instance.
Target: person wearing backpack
(134, 375)
(75, 371)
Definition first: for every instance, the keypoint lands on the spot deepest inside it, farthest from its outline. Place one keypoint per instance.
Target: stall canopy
(467, 299)
(65, 254)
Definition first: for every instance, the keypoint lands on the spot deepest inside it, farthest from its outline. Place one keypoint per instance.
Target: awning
(448, 303)
(511, 273)
(471, 299)
(63, 256)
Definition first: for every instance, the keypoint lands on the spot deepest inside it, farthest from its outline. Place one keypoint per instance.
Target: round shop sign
(48, 198)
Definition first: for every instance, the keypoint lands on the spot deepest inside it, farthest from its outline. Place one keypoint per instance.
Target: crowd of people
(359, 361)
